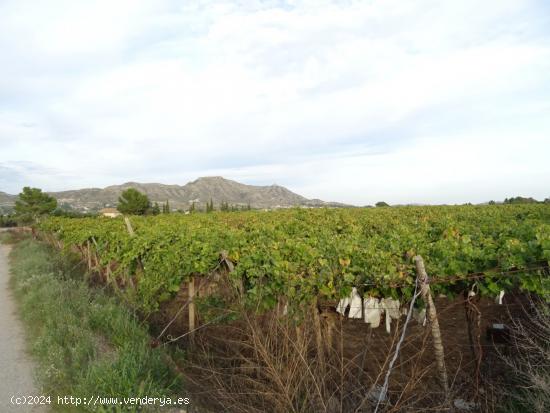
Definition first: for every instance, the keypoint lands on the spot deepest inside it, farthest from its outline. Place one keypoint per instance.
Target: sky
(351, 101)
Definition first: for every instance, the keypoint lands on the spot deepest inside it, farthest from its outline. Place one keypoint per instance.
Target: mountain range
(200, 191)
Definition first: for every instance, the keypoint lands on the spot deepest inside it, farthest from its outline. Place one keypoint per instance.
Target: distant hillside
(7, 198)
(7, 202)
(199, 191)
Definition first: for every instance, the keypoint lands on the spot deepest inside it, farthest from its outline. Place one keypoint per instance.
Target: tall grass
(86, 342)
(529, 362)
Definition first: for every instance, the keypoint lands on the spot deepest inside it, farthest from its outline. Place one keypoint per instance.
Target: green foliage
(192, 208)
(382, 204)
(166, 208)
(85, 342)
(520, 200)
(71, 213)
(133, 202)
(33, 204)
(7, 221)
(210, 206)
(155, 209)
(301, 253)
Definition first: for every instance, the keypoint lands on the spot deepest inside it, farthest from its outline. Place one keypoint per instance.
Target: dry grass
(529, 361)
(276, 363)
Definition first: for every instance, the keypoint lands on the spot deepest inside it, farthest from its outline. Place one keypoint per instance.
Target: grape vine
(303, 253)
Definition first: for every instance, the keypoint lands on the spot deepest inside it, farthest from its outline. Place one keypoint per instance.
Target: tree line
(133, 202)
(32, 204)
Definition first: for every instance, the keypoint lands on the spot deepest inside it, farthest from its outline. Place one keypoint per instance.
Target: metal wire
(384, 390)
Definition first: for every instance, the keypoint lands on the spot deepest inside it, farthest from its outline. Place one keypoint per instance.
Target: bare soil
(16, 367)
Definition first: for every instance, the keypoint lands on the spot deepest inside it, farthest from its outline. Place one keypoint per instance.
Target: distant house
(110, 212)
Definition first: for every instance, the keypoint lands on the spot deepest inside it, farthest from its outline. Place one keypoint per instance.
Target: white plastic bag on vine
(499, 297)
(356, 305)
(391, 309)
(342, 305)
(419, 316)
(373, 312)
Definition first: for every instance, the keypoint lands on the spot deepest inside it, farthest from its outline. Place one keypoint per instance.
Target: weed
(86, 342)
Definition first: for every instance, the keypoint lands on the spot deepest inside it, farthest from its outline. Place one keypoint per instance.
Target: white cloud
(325, 97)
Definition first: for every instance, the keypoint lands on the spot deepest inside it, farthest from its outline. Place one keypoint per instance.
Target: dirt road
(16, 369)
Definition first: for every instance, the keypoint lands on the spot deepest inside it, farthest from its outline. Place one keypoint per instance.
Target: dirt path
(16, 369)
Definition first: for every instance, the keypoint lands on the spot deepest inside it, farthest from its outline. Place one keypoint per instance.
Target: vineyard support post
(318, 334)
(474, 315)
(191, 293)
(132, 233)
(129, 226)
(89, 254)
(434, 323)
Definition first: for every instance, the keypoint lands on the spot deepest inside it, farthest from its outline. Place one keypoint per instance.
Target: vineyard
(303, 253)
(262, 290)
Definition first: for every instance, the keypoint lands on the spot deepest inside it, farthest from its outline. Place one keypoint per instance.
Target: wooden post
(434, 323)
(129, 226)
(191, 294)
(474, 315)
(89, 253)
(318, 334)
(225, 259)
(329, 319)
(140, 264)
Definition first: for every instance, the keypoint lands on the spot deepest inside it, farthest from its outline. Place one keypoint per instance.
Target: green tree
(166, 208)
(155, 209)
(133, 202)
(382, 204)
(192, 208)
(210, 206)
(520, 200)
(7, 221)
(32, 204)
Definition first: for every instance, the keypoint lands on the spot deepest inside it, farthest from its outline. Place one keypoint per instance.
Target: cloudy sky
(352, 101)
